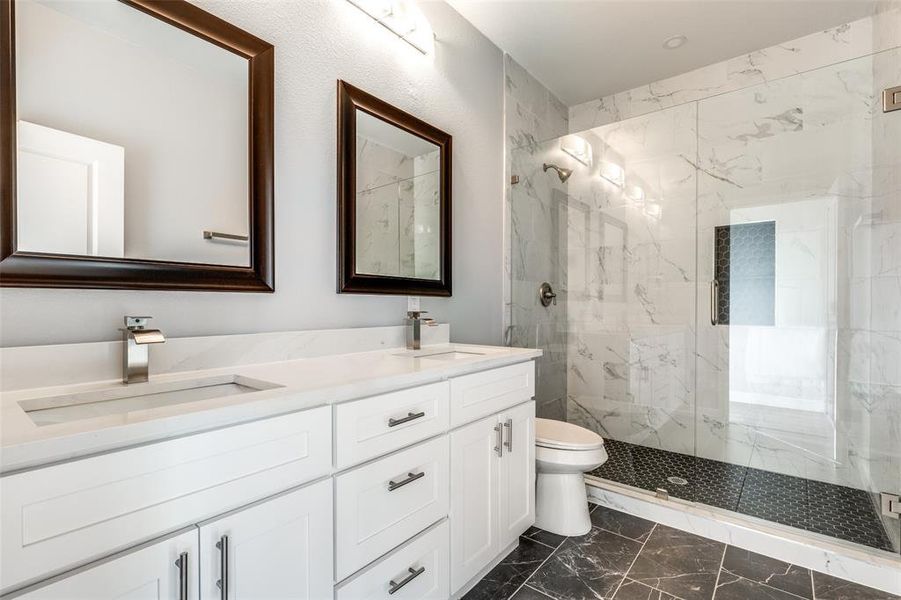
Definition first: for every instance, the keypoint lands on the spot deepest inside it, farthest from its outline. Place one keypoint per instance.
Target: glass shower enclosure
(728, 296)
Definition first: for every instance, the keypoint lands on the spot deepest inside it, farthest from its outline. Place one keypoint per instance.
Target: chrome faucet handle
(136, 322)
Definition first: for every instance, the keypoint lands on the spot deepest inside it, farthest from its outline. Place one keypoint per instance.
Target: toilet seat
(560, 435)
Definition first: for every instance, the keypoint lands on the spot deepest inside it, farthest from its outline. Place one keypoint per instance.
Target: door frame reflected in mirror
(350, 100)
(42, 269)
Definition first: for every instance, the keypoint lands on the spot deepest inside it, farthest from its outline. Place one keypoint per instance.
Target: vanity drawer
(482, 394)
(60, 516)
(381, 505)
(429, 579)
(373, 426)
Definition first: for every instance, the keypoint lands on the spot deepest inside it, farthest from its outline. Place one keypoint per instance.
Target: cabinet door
(279, 548)
(473, 512)
(516, 476)
(152, 572)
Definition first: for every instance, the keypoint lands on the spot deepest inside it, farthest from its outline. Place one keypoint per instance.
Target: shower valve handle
(546, 294)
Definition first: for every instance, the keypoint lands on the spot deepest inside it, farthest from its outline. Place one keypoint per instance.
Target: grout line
(526, 580)
(719, 572)
(546, 595)
(813, 589)
(632, 564)
(531, 539)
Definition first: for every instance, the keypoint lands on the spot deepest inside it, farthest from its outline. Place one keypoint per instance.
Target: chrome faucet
(414, 322)
(136, 358)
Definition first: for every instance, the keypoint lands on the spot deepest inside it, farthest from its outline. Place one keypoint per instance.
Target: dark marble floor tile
(589, 566)
(545, 537)
(511, 572)
(632, 590)
(826, 587)
(527, 593)
(730, 587)
(845, 513)
(775, 497)
(768, 571)
(624, 524)
(680, 563)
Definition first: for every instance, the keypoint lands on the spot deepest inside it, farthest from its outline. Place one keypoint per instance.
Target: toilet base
(561, 504)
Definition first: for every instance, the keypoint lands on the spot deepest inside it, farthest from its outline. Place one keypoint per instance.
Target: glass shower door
(796, 203)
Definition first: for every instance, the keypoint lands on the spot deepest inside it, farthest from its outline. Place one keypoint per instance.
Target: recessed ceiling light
(677, 41)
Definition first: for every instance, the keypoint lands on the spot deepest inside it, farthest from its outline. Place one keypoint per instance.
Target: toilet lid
(565, 436)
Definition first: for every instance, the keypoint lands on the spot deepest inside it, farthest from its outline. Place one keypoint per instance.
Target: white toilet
(563, 452)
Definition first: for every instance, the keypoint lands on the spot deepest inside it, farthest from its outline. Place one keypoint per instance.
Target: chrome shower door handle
(182, 565)
(714, 302)
(499, 440)
(509, 427)
(222, 584)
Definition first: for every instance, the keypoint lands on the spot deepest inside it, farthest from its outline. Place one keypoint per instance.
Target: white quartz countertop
(300, 384)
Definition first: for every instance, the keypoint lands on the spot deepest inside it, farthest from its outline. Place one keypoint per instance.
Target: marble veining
(686, 565)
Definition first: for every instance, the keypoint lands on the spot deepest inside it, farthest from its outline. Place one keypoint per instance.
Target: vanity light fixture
(613, 173)
(676, 41)
(403, 18)
(577, 147)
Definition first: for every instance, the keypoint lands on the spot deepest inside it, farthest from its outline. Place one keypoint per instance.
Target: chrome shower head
(562, 173)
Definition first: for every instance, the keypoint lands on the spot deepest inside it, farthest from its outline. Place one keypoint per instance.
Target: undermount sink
(51, 410)
(451, 355)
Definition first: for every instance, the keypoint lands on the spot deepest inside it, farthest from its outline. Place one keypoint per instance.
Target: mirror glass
(398, 208)
(132, 137)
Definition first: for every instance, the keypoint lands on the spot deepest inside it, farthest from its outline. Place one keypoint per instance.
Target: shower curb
(870, 567)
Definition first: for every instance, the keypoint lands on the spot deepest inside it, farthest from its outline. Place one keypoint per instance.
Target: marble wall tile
(794, 134)
(535, 232)
(860, 38)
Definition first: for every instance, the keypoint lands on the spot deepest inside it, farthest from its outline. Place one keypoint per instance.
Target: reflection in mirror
(132, 136)
(397, 201)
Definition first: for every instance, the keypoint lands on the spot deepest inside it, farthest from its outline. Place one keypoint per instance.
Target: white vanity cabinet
(278, 548)
(161, 570)
(492, 488)
(410, 493)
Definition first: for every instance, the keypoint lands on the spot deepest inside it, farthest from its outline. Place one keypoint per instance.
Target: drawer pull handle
(182, 565)
(411, 477)
(222, 584)
(414, 573)
(509, 443)
(499, 443)
(410, 417)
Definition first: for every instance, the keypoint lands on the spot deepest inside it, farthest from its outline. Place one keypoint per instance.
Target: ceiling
(586, 49)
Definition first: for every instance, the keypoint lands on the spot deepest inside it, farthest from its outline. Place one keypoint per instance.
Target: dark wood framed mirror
(394, 199)
(151, 166)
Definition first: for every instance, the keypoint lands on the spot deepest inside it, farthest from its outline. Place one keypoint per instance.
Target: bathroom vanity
(365, 475)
